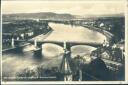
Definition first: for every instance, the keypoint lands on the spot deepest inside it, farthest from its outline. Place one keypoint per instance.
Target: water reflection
(50, 56)
(51, 50)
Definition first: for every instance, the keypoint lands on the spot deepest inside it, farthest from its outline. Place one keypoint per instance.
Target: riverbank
(104, 32)
(37, 37)
(42, 36)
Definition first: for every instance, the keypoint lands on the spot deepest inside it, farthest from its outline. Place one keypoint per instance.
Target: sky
(72, 7)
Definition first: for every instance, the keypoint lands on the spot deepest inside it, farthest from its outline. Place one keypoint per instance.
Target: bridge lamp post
(12, 43)
(122, 53)
(35, 43)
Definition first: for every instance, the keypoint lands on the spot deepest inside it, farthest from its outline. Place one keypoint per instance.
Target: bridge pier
(67, 47)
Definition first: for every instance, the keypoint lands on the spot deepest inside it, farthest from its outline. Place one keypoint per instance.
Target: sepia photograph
(58, 41)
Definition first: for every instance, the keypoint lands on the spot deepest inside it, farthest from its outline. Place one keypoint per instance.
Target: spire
(65, 66)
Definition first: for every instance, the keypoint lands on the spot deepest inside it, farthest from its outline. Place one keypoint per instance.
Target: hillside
(41, 15)
(53, 16)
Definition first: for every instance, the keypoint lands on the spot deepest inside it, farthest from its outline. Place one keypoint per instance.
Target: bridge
(69, 44)
(65, 66)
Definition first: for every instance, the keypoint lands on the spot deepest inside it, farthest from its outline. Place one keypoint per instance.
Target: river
(15, 62)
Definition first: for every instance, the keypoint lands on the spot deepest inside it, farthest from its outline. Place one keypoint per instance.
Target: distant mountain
(103, 15)
(53, 16)
(41, 15)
